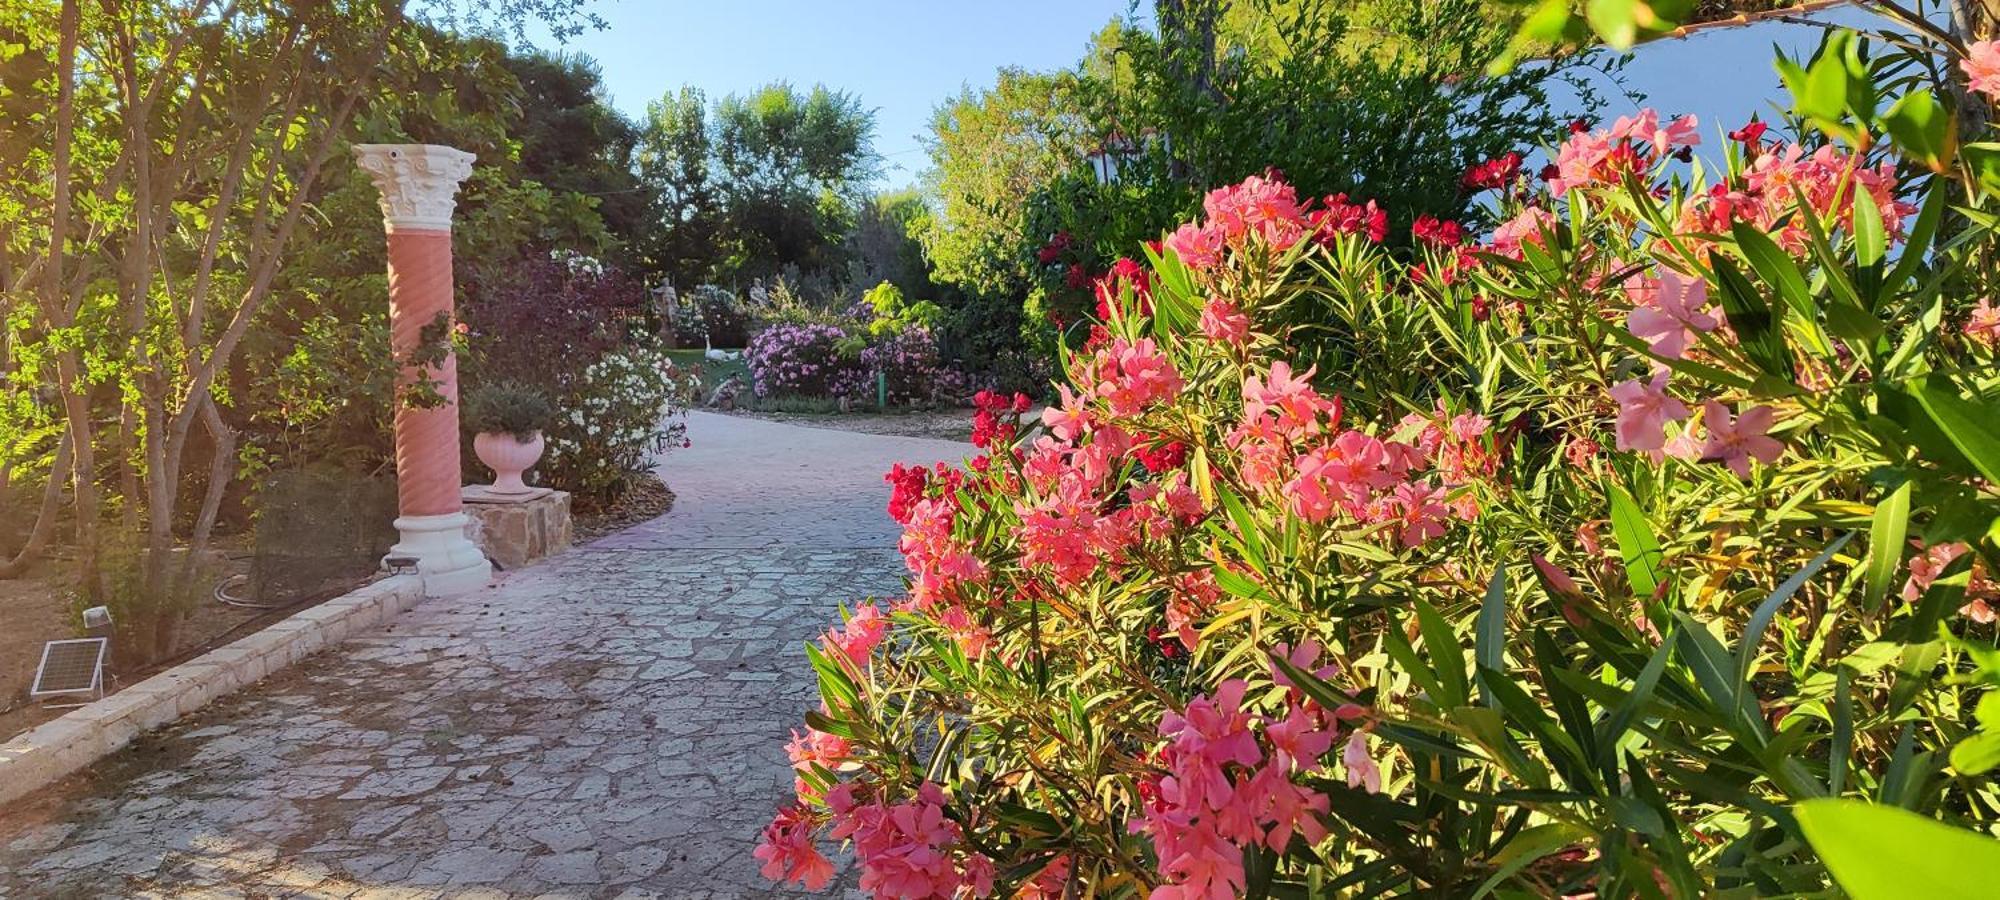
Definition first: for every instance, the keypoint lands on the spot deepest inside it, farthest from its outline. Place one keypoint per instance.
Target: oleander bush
(626, 409)
(1567, 561)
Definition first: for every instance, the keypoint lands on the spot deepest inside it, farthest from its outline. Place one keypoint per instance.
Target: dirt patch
(648, 500)
(942, 424)
(42, 606)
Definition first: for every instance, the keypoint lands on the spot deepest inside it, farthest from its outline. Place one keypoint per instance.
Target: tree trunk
(45, 518)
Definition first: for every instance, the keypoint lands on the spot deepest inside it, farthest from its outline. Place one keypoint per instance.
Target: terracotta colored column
(419, 183)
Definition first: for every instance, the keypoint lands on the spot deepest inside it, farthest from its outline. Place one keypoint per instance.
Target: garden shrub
(801, 359)
(626, 408)
(572, 330)
(1561, 563)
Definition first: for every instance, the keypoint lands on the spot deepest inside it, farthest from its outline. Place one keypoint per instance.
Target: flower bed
(1577, 561)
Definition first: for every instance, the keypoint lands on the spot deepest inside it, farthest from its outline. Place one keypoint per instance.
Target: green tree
(178, 150)
(573, 142)
(674, 155)
(793, 166)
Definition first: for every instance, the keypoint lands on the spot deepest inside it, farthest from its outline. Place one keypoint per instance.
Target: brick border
(49, 751)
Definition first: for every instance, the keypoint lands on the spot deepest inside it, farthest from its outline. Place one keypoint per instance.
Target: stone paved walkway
(608, 723)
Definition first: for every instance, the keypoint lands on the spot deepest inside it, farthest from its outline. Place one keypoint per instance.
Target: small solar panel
(70, 667)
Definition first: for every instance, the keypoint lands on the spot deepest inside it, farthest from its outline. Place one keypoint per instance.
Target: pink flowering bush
(1561, 560)
(843, 360)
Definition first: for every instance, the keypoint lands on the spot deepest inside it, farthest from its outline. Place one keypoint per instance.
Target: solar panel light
(400, 565)
(96, 617)
(70, 670)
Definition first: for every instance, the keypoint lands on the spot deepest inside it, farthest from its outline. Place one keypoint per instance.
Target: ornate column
(418, 184)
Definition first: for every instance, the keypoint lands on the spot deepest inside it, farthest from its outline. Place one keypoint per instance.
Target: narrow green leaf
(1870, 241)
(1447, 658)
(1636, 544)
(1528, 846)
(1886, 537)
(1760, 333)
(1490, 641)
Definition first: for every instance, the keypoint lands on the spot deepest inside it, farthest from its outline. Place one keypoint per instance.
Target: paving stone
(607, 722)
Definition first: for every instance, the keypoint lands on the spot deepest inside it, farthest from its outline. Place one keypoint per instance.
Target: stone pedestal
(419, 185)
(516, 529)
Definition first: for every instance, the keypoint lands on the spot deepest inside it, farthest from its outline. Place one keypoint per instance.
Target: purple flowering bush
(817, 359)
(800, 359)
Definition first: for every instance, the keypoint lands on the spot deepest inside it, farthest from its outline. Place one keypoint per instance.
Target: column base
(448, 563)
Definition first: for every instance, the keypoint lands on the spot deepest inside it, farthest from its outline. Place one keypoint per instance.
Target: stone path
(608, 723)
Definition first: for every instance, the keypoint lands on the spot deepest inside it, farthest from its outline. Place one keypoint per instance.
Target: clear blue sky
(901, 57)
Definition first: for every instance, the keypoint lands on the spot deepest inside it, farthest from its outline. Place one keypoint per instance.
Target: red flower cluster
(1053, 250)
(1438, 232)
(1494, 173)
(906, 487)
(1124, 272)
(1336, 217)
(988, 428)
(1162, 459)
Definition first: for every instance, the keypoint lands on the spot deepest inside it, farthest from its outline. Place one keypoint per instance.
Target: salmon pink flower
(1669, 311)
(1644, 409)
(1734, 444)
(1527, 227)
(788, 852)
(855, 640)
(1361, 769)
(1291, 396)
(1069, 419)
(1982, 67)
(1223, 323)
(1199, 248)
(1984, 325)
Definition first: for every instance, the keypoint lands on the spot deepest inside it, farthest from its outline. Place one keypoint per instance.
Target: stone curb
(54, 749)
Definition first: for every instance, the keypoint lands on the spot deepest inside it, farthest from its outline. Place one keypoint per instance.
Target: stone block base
(516, 531)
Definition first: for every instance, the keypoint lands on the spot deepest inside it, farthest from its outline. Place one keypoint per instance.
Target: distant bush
(807, 360)
(625, 409)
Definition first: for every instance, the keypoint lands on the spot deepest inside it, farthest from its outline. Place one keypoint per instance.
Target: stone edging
(54, 749)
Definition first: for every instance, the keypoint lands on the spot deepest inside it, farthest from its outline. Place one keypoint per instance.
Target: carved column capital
(419, 182)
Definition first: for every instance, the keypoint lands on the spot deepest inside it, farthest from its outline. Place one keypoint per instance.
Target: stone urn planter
(508, 456)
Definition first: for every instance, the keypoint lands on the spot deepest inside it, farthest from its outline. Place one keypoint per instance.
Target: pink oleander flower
(1069, 419)
(1419, 516)
(1663, 139)
(1223, 323)
(1927, 565)
(1982, 67)
(1669, 312)
(1984, 325)
(1644, 409)
(1291, 396)
(907, 849)
(815, 748)
(1132, 375)
(1304, 657)
(1200, 248)
(1527, 227)
(856, 639)
(788, 852)
(1361, 769)
(1734, 444)
(1260, 205)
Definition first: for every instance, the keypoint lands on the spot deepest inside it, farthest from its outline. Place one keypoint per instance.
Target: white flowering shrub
(628, 406)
